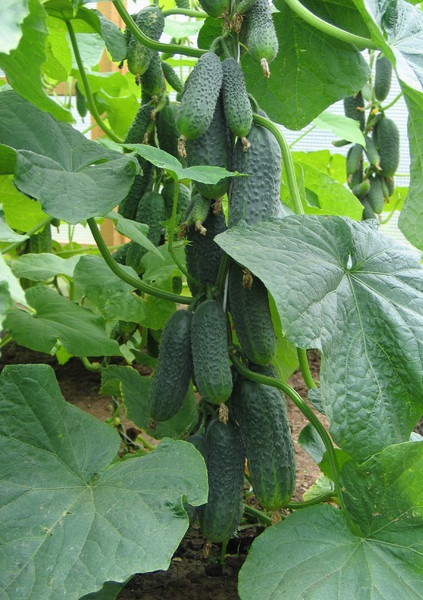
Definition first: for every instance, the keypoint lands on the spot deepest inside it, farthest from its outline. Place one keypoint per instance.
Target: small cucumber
(388, 139)
(258, 32)
(184, 197)
(375, 195)
(215, 8)
(383, 77)
(153, 81)
(236, 104)
(172, 78)
(167, 134)
(151, 210)
(151, 22)
(354, 109)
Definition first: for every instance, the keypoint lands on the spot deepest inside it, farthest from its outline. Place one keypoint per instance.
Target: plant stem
(159, 46)
(87, 89)
(300, 137)
(394, 101)
(254, 512)
(305, 368)
(95, 367)
(30, 232)
(287, 160)
(136, 283)
(5, 340)
(307, 412)
(345, 36)
(187, 12)
(144, 442)
(312, 502)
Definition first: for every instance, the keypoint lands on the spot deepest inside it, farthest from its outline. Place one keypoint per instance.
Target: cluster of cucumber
(373, 183)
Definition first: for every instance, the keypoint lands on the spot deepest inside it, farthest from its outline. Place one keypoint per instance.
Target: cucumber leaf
(43, 266)
(73, 516)
(342, 287)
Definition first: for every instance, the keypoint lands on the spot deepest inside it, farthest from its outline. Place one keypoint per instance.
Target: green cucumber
(211, 149)
(354, 162)
(383, 77)
(375, 195)
(167, 134)
(151, 210)
(256, 197)
(202, 254)
(361, 189)
(172, 77)
(199, 98)
(236, 104)
(388, 140)
(174, 367)
(139, 126)
(184, 197)
(260, 411)
(372, 153)
(249, 307)
(151, 22)
(152, 81)
(368, 212)
(209, 343)
(81, 102)
(129, 205)
(354, 109)
(41, 241)
(220, 517)
(258, 32)
(244, 5)
(215, 8)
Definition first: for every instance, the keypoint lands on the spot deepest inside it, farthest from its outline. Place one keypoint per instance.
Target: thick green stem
(307, 412)
(394, 101)
(187, 12)
(287, 161)
(345, 36)
(30, 232)
(254, 512)
(95, 367)
(318, 500)
(159, 46)
(305, 368)
(136, 283)
(87, 89)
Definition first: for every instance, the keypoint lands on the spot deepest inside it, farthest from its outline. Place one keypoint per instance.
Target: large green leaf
(21, 212)
(112, 35)
(13, 13)
(311, 71)
(343, 287)
(59, 321)
(43, 266)
(72, 517)
(23, 65)
(129, 385)
(6, 233)
(73, 177)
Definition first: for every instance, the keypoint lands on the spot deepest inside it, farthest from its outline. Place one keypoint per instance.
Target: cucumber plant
(241, 255)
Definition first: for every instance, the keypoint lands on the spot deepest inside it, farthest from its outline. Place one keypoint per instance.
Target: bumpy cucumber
(184, 197)
(172, 78)
(220, 517)
(376, 196)
(354, 164)
(41, 242)
(200, 95)
(215, 8)
(151, 22)
(134, 256)
(202, 254)
(151, 210)
(81, 102)
(153, 81)
(258, 32)
(211, 149)
(249, 307)
(260, 412)
(209, 343)
(236, 104)
(368, 212)
(372, 153)
(383, 77)
(182, 3)
(256, 197)
(354, 109)
(174, 367)
(129, 205)
(167, 133)
(139, 126)
(388, 141)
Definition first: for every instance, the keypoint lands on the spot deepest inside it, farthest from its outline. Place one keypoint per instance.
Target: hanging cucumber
(167, 134)
(151, 210)
(153, 81)
(258, 32)
(184, 197)
(383, 77)
(375, 195)
(172, 77)
(151, 22)
(388, 143)
(354, 109)
(236, 104)
(215, 8)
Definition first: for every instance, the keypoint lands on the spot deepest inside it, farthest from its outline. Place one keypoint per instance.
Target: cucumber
(368, 212)
(260, 411)
(209, 343)
(372, 153)
(129, 205)
(354, 162)
(172, 78)
(361, 189)
(215, 8)
(41, 242)
(220, 517)
(184, 197)
(182, 3)
(236, 104)
(244, 5)
(354, 109)
(152, 81)
(134, 256)
(383, 77)
(151, 22)
(120, 253)
(256, 197)
(199, 98)
(211, 149)
(139, 126)
(258, 32)
(197, 212)
(174, 367)
(388, 140)
(249, 307)
(167, 134)
(202, 254)
(375, 195)
(151, 210)
(81, 102)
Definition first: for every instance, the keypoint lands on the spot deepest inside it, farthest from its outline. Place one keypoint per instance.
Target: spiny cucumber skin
(129, 205)
(257, 197)
(172, 78)
(258, 32)
(251, 317)
(236, 104)
(134, 256)
(198, 101)
(182, 3)
(139, 126)
(209, 344)
(184, 197)
(383, 77)
(211, 149)
(220, 517)
(353, 106)
(215, 8)
(174, 367)
(260, 412)
(388, 139)
(151, 210)
(151, 22)
(202, 254)
(153, 81)
(197, 211)
(167, 133)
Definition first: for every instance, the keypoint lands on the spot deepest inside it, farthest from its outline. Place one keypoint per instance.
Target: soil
(192, 575)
